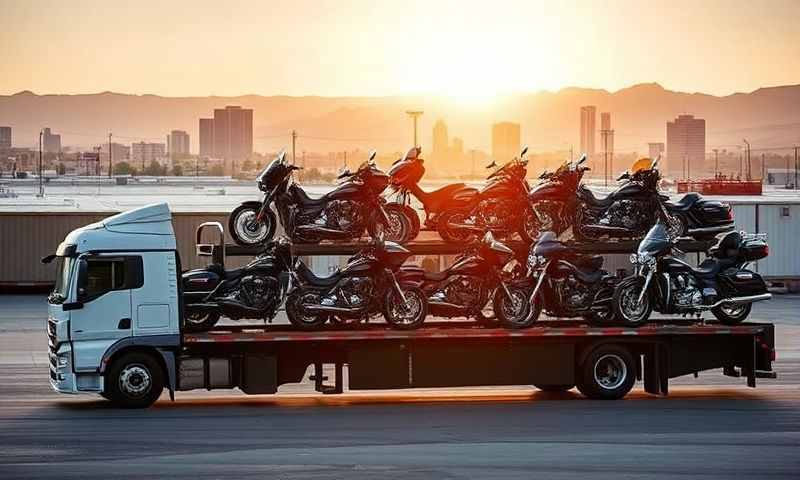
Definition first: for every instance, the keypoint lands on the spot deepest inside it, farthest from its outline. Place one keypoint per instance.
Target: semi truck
(115, 328)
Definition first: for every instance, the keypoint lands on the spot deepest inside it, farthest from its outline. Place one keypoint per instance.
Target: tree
(216, 171)
(154, 169)
(123, 168)
(177, 170)
(61, 169)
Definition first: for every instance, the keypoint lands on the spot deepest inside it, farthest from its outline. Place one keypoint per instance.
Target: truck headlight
(63, 361)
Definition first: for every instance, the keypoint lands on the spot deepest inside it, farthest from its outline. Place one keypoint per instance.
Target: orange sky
(469, 50)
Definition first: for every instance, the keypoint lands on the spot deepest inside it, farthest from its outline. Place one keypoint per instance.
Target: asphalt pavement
(709, 427)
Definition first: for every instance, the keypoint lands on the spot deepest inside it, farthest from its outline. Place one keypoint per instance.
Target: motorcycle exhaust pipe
(737, 301)
(331, 309)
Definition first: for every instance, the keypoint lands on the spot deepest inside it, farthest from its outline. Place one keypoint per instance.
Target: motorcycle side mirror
(624, 176)
(372, 155)
(523, 152)
(492, 165)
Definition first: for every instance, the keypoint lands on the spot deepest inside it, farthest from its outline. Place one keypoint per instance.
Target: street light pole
(415, 114)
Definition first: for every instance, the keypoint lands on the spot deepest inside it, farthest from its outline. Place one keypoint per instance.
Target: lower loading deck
(456, 354)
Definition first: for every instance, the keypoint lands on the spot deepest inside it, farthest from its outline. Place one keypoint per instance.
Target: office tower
(206, 137)
(588, 114)
(655, 149)
(142, 153)
(686, 146)
(505, 141)
(5, 138)
(440, 153)
(51, 143)
(178, 143)
(233, 135)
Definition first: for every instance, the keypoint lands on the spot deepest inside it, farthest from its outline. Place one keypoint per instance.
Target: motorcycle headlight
(642, 259)
(634, 258)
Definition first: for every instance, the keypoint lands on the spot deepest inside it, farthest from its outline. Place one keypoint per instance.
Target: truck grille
(52, 343)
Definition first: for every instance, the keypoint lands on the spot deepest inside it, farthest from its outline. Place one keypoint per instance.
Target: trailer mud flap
(656, 370)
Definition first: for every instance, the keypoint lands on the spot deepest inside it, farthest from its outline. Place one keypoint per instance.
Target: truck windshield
(63, 276)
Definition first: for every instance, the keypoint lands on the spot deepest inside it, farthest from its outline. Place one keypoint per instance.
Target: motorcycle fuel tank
(200, 280)
(549, 191)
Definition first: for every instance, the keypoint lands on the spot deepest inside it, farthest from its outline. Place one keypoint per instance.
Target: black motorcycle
(344, 213)
(561, 282)
(721, 283)
(560, 201)
(371, 282)
(253, 291)
(467, 287)
(501, 206)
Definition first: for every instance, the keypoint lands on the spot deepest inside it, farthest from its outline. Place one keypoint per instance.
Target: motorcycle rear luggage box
(751, 250)
(742, 283)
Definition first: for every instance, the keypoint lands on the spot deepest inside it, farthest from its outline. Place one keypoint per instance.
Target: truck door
(155, 304)
(105, 318)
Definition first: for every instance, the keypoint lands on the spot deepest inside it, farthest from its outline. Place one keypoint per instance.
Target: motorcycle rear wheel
(451, 234)
(299, 317)
(200, 321)
(732, 316)
(248, 232)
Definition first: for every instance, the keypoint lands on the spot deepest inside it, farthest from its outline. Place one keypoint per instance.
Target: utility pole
(747, 152)
(604, 136)
(41, 184)
(294, 140)
(716, 162)
(345, 158)
(472, 152)
(795, 167)
(415, 114)
(110, 161)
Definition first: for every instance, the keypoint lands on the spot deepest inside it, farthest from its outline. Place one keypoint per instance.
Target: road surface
(709, 427)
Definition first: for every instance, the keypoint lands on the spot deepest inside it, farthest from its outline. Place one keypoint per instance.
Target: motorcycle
(561, 282)
(404, 178)
(500, 206)
(560, 201)
(253, 291)
(721, 283)
(344, 213)
(467, 287)
(371, 282)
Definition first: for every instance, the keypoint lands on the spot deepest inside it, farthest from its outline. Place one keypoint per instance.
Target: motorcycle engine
(461, 290)
(343, 215)
(574, 294)
(494, 214)
(357, 291)
(547, 213)
(628, 214)
(259, 292)
(686, 291)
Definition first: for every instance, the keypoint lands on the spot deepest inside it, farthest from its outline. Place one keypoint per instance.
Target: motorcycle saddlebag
(751, 250)
(742, 283)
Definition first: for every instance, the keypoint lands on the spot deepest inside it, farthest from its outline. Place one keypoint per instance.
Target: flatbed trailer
(555, 355)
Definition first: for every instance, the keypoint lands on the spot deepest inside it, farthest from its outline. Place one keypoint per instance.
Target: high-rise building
(206, 137)
(142, 153)
(686, 146)
(51, 143)
(233, 135)
(5, 138)
(505, 141)
(178, 143)
(655, 149)
(588, 117)
(441, 147)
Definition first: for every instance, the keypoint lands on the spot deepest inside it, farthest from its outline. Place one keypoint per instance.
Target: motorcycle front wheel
(400, 227)
(625, 303)
(407, 315)
(246, 230)
(529, 230)
(516, 312)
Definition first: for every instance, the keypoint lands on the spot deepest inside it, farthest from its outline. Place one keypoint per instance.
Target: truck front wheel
(608, 373)
(134, 380)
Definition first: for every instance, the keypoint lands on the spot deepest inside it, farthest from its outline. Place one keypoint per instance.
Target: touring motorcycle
(500, 206)
(344, 213)
(560, 281)
(253, 291)
(560, 201)
(467, 287)
(371, 282)
(404, 177)
(721, 283)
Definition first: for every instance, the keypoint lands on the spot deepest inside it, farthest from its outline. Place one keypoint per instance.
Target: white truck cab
(114, 316)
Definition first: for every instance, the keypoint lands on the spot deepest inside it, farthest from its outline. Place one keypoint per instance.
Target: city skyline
(523, 47)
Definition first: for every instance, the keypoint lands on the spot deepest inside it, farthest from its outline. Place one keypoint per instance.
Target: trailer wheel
(554, 388)
(608, 373)
(134, 380)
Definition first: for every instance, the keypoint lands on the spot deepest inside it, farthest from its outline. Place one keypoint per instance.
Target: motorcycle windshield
(273, 173)
(547, 245)
(655, 242)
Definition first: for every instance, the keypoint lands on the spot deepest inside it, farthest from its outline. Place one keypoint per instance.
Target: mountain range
(767, 117)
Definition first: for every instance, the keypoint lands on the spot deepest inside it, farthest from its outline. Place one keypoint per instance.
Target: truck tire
(134, 380)
(608, 373)
(554, 388)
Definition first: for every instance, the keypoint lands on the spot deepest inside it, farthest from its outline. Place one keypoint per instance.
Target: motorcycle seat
(710, 267)
(438, 199)
(589, 263)
(587, 276)
(436, 276)
(685, 202)
(233, 273)
(308, 276)
(588, 196)
(302, 198)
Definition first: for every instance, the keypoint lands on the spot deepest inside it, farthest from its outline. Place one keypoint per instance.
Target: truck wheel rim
(610, 371)
(135, 380)
(248, 228)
